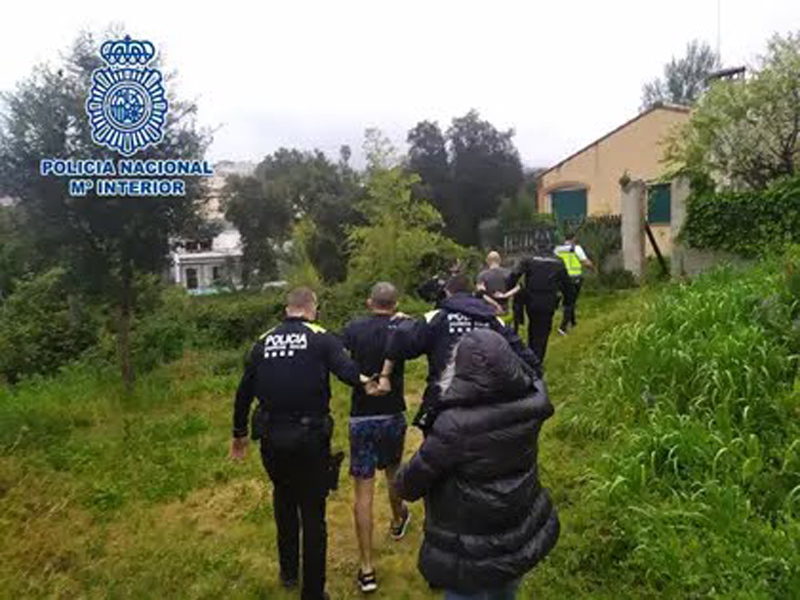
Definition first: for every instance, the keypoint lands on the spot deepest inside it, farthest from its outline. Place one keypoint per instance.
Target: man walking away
(488, 520)
(377, 425)
(437, 333)
(575, 260)
(288, 371)
(494, 281)
(545, 278)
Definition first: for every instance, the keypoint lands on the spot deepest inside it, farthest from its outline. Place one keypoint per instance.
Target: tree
(398, 233)
(466, 172)
(290, 185)
(486, 167)
(684, 78)
(103, 242)
(262, 220)
(744, 134)
(427, 157)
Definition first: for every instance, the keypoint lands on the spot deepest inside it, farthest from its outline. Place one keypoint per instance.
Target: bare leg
(398, 510)
(362, 511)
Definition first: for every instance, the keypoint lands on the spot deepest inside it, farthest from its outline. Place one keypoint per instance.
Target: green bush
(230, 320)
(601, 236)
(747, 223)
(42, 327)
(699, 400)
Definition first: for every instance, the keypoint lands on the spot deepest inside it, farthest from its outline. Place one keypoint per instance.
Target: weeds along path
(102, 497)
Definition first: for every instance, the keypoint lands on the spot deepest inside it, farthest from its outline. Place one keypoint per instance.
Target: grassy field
(107, 496)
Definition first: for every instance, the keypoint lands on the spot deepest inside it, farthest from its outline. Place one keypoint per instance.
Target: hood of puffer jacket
(485, 370)
(471, 306)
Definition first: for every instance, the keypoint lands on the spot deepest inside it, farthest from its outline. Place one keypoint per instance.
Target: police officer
(437, 333)
(575, 260)
(288, 371)
(545, 278)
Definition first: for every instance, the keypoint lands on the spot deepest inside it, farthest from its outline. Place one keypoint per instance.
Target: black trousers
(569, 309)
(540, 322)
(300, 487)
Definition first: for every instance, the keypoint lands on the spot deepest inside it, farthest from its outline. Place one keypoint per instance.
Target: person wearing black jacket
(288, 370)
(438, 332)
(488, 521)
(546, 278)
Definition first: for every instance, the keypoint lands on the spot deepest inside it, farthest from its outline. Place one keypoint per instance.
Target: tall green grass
(699, 491)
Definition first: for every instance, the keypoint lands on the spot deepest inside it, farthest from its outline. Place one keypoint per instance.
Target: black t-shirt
(366, 338)
(496, 281)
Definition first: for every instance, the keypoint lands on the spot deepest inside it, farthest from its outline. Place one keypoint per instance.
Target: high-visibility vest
(571, 260)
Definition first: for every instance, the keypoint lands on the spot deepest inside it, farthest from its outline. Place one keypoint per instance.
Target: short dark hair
(301, 298)
(383, 295)
(460, 283)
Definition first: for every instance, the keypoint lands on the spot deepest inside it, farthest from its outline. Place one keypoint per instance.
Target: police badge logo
(127, 105)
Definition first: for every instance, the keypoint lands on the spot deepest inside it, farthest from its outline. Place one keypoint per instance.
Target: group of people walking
(488, 520)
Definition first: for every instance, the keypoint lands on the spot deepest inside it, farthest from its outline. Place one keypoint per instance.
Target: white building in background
(205, 265)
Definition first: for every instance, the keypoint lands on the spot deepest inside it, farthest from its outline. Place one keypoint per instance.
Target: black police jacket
(545, 278)
(288, 370)
(487, 518)
(437, 333)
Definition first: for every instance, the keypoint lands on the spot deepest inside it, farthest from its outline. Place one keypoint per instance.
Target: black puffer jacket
(487, 520)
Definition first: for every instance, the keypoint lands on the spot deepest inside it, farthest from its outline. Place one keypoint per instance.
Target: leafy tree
(103, 242)
(289, 185)
(427, 157)
(466, 172)
(684, 78)
(486, 167)
(261, 220)
(399, 232)
(744, 134)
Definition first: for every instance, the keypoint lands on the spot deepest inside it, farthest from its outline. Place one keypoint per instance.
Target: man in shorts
(377, 425)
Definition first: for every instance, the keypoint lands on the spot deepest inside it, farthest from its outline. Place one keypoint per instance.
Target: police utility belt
(290, 432)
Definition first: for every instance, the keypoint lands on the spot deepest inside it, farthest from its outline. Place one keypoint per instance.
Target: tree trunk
(124, 329)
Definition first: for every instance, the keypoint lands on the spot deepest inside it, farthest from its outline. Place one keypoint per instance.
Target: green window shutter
(569, 206)
(659, 204)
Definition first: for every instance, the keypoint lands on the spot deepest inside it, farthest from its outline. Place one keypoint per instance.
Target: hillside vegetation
(674, 460)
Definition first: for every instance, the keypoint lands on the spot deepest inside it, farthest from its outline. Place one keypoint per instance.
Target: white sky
(316, 74)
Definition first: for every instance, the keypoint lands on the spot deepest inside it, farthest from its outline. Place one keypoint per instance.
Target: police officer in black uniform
(437, 334)
(288, 371)
(545, 278)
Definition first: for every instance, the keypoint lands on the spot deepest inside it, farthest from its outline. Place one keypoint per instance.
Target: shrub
(699, 400)
(747, 223)
(42, 327)
(601, 236)
(230, 320)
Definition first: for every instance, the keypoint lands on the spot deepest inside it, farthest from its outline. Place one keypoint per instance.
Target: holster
(334, 468)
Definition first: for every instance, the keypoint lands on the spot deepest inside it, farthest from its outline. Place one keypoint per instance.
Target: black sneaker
(367, 581)
(399, 531)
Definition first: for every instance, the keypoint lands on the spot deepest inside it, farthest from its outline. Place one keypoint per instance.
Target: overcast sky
(316, 74)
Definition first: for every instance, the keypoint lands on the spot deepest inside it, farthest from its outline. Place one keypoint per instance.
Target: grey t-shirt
(495, 282)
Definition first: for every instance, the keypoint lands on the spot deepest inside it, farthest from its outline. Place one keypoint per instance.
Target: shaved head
(301, 299)
(383, 296)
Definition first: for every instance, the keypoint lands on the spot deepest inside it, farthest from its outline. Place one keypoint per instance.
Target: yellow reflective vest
(571, 260)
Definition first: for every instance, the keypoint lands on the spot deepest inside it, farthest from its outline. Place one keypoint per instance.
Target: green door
(659, 209)
(569, 206)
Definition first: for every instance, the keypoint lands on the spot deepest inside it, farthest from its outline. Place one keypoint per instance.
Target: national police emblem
(127, 105)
